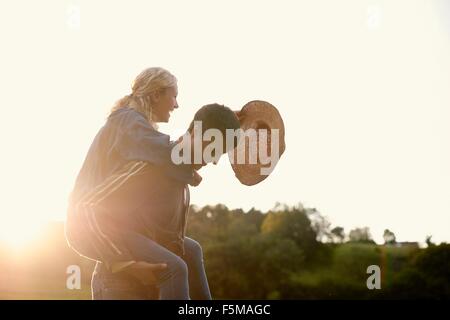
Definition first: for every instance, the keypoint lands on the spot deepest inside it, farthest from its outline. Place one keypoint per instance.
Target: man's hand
(240, 115)
(144, 271)
(197, 179)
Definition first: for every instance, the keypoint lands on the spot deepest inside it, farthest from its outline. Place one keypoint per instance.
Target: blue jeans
(183, 279)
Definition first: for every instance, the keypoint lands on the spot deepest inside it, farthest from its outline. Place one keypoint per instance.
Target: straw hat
(245, 159)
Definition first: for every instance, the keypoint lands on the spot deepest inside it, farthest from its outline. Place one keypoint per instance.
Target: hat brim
(257, 115)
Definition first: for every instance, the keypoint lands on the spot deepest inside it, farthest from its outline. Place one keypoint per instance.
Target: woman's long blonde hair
(147, 82)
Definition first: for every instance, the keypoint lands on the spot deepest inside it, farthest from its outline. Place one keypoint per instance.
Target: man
(162, 217)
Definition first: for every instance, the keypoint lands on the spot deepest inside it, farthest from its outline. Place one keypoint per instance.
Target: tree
(428, 241)
(426, 277)
(360, 235)
(292, 224)
(338, 234)
(320, 225)
(389, 237)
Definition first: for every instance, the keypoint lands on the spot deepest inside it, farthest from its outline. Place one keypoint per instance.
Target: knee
(177, 266)
(193, 249)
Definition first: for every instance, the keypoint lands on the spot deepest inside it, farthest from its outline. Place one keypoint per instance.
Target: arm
(136, 139)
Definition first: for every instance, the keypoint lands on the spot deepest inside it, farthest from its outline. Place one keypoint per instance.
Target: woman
(119, 153)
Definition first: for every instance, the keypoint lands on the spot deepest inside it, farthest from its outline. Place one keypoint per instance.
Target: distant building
(407, 244)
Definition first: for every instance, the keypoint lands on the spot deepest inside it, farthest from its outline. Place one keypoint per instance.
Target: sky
(362, 86)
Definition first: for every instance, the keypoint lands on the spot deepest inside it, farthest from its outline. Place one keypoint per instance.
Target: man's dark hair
(216, 116)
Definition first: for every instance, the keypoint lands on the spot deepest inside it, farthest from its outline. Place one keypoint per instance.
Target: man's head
(212, 116)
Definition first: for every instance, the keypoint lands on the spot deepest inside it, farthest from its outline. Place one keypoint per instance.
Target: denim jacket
(126, 142)
(126, 136)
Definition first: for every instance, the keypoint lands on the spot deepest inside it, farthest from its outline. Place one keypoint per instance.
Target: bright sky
(363, 87)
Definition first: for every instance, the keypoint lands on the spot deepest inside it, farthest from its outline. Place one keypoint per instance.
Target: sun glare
(19, 236)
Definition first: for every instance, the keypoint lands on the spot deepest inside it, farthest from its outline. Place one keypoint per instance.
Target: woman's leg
(172, 281)
(198, 282)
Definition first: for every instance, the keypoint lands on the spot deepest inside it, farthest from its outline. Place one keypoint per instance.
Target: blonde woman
(124, 148)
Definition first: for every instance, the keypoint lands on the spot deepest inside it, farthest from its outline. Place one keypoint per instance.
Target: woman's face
(164, 103)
